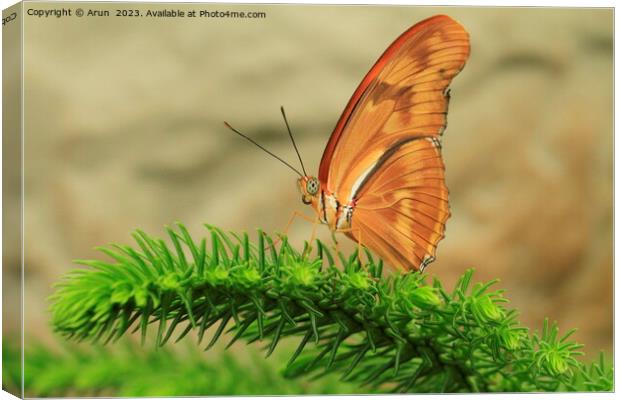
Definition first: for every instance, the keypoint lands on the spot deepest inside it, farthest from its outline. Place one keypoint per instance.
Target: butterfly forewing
(384, 155)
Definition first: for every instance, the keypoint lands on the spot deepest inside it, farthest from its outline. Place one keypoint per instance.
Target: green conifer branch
(394, 333)
(128, 370)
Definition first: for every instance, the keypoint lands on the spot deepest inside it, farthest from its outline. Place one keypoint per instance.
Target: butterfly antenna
(262, 148)
(293, 140)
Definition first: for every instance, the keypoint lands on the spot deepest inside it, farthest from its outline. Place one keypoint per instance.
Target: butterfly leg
(333, 233)
(301, 215)
(308, 249)
(336, 247)
(358, 239)
(294, 215)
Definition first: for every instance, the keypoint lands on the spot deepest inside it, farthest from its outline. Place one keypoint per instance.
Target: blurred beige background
(124, 130)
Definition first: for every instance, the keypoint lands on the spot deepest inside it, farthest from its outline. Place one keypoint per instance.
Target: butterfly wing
(402, 210)
(395, 116)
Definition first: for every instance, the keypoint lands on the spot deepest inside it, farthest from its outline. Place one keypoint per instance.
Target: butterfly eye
(312, 187)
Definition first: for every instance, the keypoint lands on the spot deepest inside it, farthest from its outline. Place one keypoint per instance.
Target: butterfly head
(310, 187)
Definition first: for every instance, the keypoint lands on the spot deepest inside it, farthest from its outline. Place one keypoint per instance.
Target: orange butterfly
(381, 179)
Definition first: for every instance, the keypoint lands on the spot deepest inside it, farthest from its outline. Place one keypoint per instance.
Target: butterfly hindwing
(405, 204)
